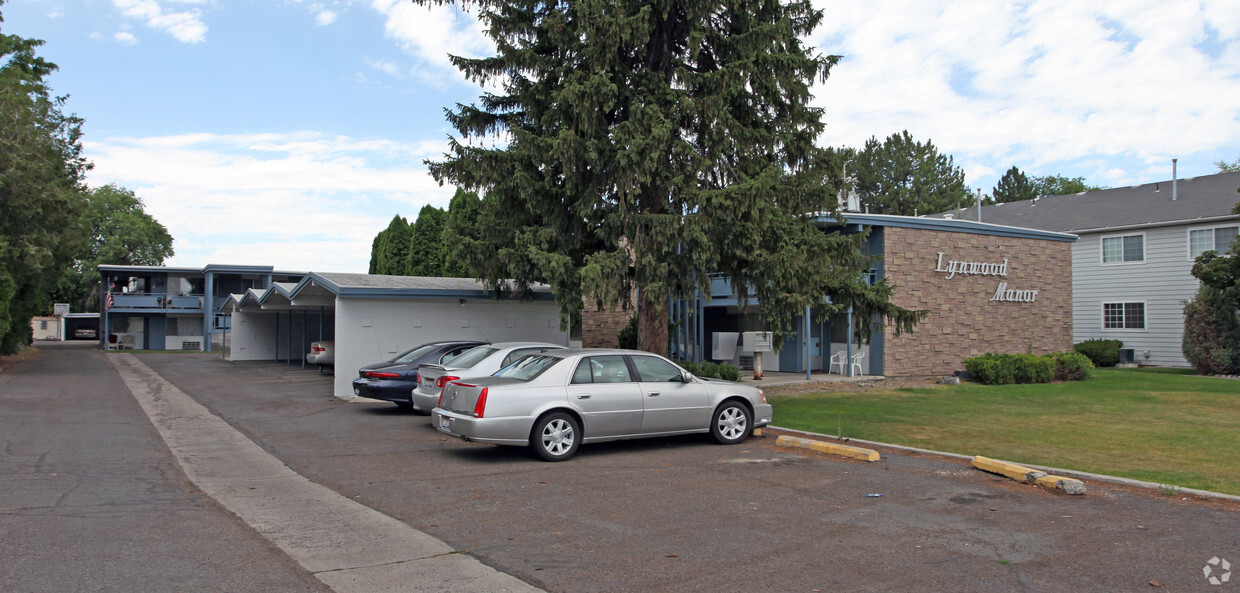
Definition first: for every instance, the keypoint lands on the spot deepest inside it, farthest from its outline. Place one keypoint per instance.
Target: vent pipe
(1174, 194)
(979, 204)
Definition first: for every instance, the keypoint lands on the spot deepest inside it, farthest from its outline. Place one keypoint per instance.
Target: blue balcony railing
(178, 302)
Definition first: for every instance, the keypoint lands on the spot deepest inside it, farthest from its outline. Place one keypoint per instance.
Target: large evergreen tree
(426, 243)
(903, 176)
(461, 221)
(1014, 186)
(41, 172)
(391, 249)
(648, 144)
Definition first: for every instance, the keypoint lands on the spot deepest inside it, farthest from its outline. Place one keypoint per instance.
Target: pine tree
(460, 222)
(393, 248)
(903, 176)
(648, 144)
(1014, 186)
(426, 243)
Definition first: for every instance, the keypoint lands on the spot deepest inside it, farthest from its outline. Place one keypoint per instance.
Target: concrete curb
(1050, 470)
(832, 448)
(1011, 470)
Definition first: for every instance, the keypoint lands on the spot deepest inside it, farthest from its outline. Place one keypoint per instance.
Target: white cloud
(185, 26)
(432, 33)
(325, 18)
(125, 37)
(1036, 84)
(305, 201)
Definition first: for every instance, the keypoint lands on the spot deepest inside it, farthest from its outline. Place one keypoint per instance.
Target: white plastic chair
(838, 359)
(127, 342)
(856, 363)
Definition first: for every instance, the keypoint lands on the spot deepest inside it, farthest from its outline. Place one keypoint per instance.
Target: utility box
(757, 341)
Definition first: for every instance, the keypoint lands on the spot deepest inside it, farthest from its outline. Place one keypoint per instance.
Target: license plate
(445, 423)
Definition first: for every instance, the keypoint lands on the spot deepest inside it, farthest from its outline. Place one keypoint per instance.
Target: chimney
(1174, 195)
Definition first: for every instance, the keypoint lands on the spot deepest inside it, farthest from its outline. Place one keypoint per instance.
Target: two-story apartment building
(162, 308)
(1131, 266)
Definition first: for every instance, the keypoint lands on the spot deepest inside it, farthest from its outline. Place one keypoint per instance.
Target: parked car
(85, 333)
(394, 380)
(322, 353)
(555, 401)
(478, 362)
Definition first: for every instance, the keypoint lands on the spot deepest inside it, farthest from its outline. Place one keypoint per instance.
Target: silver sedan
(555, 401)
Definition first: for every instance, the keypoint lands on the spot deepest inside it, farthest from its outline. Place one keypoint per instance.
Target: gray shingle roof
(1197, 198)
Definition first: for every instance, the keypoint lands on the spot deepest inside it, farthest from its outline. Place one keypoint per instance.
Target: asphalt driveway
(684, 514)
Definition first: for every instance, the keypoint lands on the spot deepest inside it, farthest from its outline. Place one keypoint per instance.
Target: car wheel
(731, 423)
(555, 436)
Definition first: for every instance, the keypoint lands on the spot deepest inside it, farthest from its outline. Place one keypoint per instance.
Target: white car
(477, 362)
(322, 353)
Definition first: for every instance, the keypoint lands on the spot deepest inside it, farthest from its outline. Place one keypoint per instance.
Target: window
(602, 369)
(1128, 248)
(653, 369)
(528, 367)
(1216, 239)
(1123, 315)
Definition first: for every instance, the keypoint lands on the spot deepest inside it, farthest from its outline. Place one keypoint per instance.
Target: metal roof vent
(1174, 193)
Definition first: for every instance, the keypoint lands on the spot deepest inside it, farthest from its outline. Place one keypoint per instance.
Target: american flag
(108, 300)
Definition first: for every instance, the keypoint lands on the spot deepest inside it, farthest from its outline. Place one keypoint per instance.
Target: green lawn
(1160, 425)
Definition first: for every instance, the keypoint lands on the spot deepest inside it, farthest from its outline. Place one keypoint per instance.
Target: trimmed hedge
(1103, 353)
(1006, 369)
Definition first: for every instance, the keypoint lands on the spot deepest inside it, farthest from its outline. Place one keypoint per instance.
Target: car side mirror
(686, 377)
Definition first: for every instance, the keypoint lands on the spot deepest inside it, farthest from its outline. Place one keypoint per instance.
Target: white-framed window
(1219, 238)
(1124, 316)
(1123, 249)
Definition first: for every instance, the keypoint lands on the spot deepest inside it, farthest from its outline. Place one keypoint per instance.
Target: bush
(1211, 340)
(1033, 369)
(1070, 366)
(628, 336)
(1004, 369)
(711, 370)
(1103, 353)
(992, 369)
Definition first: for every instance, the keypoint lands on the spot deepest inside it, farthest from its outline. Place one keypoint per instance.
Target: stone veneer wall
(601, 329)
(963, 321)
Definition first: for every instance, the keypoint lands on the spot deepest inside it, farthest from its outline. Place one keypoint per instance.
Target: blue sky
(288, 133)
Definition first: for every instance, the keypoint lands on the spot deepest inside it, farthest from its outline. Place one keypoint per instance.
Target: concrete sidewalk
(346, 545)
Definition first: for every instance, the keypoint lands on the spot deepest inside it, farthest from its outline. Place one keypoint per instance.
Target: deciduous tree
(649, 144)
(41, 171)
(1058, 185)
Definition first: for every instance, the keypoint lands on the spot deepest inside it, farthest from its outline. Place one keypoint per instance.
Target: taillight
(444, 380)
(481, 406)
(317, 349)
(381, 375)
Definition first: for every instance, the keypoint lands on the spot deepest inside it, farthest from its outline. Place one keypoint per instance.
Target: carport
(373, 318)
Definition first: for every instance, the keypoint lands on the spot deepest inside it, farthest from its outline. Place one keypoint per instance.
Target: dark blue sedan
(394, 380)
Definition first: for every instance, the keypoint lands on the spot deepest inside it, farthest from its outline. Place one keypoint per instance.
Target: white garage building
(373, 318)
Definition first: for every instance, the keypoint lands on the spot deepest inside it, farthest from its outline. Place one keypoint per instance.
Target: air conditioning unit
(1127, 356)
(746, 361)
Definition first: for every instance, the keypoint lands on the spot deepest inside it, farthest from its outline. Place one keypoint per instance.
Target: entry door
(670, 403)
(608, 396)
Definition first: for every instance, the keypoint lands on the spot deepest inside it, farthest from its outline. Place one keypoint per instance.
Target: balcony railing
(177, 302)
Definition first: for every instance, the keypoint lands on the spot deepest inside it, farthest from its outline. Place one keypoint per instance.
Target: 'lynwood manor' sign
(977, 268)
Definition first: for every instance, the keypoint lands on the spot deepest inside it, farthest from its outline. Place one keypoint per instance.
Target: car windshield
(473, 357)
(529, 367)
(416, 353)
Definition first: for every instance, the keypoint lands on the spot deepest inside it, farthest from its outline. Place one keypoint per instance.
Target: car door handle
(583, 396)
(654, 394)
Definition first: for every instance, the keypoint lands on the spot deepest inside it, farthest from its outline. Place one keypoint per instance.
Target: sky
(290, 132)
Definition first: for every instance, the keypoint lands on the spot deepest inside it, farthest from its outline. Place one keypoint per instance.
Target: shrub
(628, 336)
(1211, 340)
(991, 369)
(711, 370)
(1029, 368)
(1070, 366)
(729, 372)
(1103, 353)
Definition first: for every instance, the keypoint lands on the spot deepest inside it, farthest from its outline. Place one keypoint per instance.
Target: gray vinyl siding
(1162, 282)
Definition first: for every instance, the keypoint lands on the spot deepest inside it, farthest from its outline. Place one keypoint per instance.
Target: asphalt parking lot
(685, 514)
